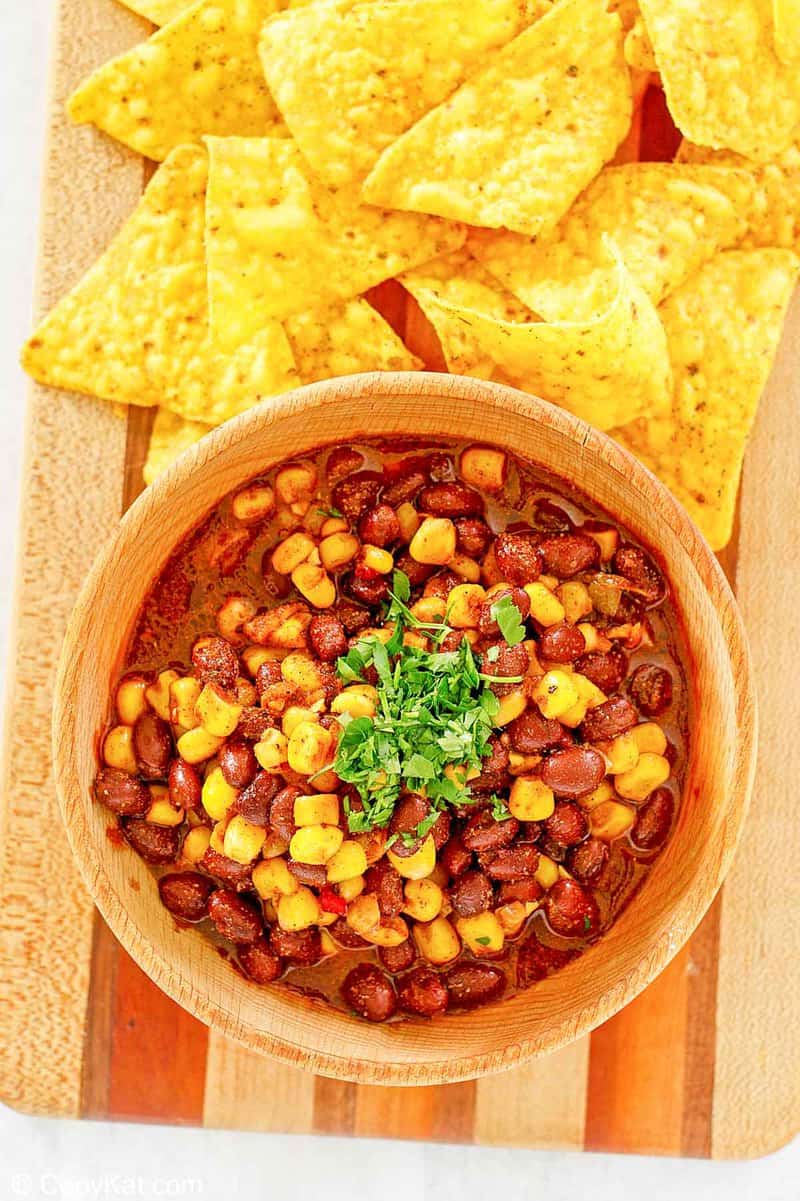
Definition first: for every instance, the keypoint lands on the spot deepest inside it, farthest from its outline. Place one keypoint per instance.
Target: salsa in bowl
(403, 726)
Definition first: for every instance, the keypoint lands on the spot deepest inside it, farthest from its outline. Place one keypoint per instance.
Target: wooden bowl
(650, 930)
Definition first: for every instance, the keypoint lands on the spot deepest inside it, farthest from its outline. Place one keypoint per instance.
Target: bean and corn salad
(402, 728)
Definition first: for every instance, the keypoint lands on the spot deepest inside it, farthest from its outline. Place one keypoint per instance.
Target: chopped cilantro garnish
(435, 712)
(509, 620)
(500, 810)
(483, 939)
(331, 512)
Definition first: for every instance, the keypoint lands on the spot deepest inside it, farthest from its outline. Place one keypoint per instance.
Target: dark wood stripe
(99, 1022)
(334, 1106)
(701, 1034)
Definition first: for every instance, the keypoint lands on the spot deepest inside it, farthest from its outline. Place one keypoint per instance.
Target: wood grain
(72, 500)
(757, 1076)
(248, 1092)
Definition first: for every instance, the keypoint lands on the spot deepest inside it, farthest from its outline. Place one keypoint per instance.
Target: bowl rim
(693, 903)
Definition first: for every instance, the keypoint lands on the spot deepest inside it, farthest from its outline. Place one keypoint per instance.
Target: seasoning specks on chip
(198, 75)
(723, 327)
(349, 78)
(516, 144)
(280, 242)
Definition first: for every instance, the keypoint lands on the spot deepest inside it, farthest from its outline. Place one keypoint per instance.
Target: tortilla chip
(158, 12)
(664, 219)
(725, 85)
(723, 327)
(345, 339)
(459, 280)
(773, 213)
(638, 48)
(516, 144)
(596, 369)
(350, 77)
(279, 242)
(786, 14)
(626, 10)
(171, 436)
(135, 329)
(198, 75)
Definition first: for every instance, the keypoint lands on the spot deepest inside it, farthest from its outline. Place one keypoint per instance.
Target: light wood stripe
(71, 502)
(539, 1105)
(635, 1097)
(244, 1091)
(334, 1106)
(757, 1082)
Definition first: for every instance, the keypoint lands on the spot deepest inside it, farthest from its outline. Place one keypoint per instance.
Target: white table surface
(43, 1158)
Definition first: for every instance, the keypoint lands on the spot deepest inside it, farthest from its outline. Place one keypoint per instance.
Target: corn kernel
(649, 737)
(349, 862)
(350, 888)
(255, 656)
(315, 844)
(574, 596)
(197, 745)
(482, 933)
(484, 467)
(595, 641)
(377, 559)
(414, 638)
(232, 615)
(650, 772)
(315, 585)
(465, 567)
(162, 812)
(118, 749)
(546, 608)
(271, 751)
(434, 542)
(530, 800)
(373, 843)
(333, 525)
(290, 553)
(546, 872)
(464, 605)
(611, 820)
(622, 753)
(218, 795)
(555, 693)
(253, 503)
(363, 914)
(318, 809)
(217, 714)
(418, 865)
(512, 917)
(274, 845)
(184, 694)
(296, 482)
(217, 840)
(391, 932)
(294, 716)
(437, 941)
(300, 670)
(603, 792)
(521, 765)
(511, 706)
(327, 944)
(430, 609)
(158, 694)
(423, 900)
(337, 550)
(310, 748)
(243, 841)
(408, 517)
(195, 844)
(299, 910)
(131, 700)
(272, 878)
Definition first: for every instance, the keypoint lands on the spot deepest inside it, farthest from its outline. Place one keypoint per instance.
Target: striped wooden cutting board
(704, 1063)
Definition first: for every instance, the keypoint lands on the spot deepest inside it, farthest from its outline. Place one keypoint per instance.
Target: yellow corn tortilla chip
(350, 77)
(786, 15)
(344, 339)
(521, 138)
(280, 242)
(170, 437)
(597, 369)
(773, 212)
(198, 75)
(158, 12)
(135, 329)
(626, 10)
(664, 219)
(723, 327)
(638, 48)
(459, 280)
(725, 85)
